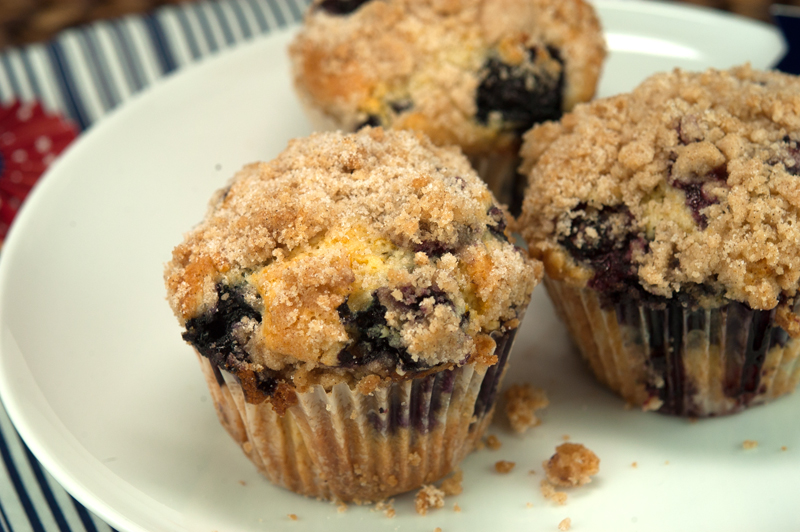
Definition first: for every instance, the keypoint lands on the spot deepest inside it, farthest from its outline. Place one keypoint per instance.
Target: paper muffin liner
(499, 172)
(349, 446)
(677, 360)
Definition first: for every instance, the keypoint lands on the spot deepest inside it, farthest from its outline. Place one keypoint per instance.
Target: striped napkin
(83, 74)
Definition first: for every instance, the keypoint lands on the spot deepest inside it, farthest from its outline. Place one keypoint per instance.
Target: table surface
(83, 74)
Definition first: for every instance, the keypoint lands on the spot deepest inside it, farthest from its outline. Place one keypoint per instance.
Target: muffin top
(347, 256)
(475, 73)
(687, 187)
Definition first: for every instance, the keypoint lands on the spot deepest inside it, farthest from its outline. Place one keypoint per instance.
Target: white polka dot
(43, 144)
(8, 138)
(25, 112)
(19, 156)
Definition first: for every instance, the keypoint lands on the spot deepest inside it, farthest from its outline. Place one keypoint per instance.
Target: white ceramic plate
(97, 380)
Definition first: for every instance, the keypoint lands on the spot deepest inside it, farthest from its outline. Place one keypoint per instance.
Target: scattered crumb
(634, 465)
(565, 437)
(293, 517)
(528, 505)
(456, 508)
(243, 483)
(504, 466)
(414, 459)
(565, 524)
(480, 445)
(572, 465)
(531, 471)
(522, 401)
(783, 448)
(692, 420)
(437, 529)
(387, 507)
(628, 406)
(493, 442)
(452, 484)
(749, 444)
(428, 497)
(549, 491)
(666, 462)
(341, 507)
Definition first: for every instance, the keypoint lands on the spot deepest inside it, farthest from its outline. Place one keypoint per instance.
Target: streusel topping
(441, 66)
(692, 180)
(375, 252)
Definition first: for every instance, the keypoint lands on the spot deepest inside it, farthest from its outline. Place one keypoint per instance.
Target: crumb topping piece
(521, 403)
(550, 493)
(571, 465)
(504, 466)
(428, 497)
(690, 180)
(493, 442)
(452, 485)
(565, 524)
(374, 252)
(462, 71)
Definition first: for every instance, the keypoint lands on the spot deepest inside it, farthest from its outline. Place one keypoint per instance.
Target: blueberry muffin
(472, 73)
(353, 303)
(667, 220)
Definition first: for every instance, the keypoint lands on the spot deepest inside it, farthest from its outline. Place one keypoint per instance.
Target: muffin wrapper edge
(348, 446)
(677, 360)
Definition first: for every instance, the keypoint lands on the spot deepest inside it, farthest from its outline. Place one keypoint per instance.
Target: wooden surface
(25, 21)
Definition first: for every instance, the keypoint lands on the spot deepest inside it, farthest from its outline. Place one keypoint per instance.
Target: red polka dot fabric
(30, 140)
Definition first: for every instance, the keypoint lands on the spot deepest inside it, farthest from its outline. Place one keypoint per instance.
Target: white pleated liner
(338, 444)
(619, 355)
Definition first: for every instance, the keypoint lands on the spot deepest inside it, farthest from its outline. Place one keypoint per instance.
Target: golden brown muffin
(474, 73)
(667, 220)
(353, 303)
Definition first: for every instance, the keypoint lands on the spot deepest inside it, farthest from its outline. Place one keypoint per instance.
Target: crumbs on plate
(504, 466)
(521, 403)
(571, 465)
(428, 497)
(493, 442)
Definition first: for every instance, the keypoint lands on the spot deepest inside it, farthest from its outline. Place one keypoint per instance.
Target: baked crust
(349, 246)
(701, 171)
(417, 64)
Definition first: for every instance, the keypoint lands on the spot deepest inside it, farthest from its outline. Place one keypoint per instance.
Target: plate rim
(19, 415)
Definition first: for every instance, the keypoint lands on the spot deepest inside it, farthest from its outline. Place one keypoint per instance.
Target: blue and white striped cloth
(83, 74)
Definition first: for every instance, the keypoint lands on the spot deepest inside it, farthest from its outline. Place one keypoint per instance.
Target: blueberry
(372, 121)
(698, 199)
(212, 333)
(605, 240)
(523, 95)
(372, 339)
(498, 228)
(341, 7)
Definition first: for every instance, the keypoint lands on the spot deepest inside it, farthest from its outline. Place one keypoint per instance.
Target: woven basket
(25, 21)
